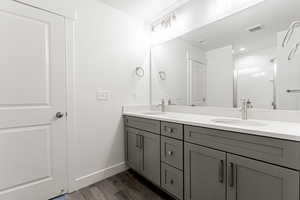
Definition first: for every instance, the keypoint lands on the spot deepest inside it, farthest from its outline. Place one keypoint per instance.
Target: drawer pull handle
(169, 130)
(231, 181)
(137, 141)
(171, 182)
(221, 171)
(170, 153)
(141, 142)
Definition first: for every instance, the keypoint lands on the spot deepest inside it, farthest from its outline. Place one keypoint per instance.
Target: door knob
(59, 115)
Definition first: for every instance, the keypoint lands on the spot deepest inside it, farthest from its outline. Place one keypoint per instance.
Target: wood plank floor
(125, 186)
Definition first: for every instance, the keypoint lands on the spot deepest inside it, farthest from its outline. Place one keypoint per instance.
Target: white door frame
(71, 133)
(189, 75)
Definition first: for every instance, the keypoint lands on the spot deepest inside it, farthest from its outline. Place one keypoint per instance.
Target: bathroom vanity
(197, 160)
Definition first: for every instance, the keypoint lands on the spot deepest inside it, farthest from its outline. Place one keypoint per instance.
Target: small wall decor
(140, 72)
(162, 75)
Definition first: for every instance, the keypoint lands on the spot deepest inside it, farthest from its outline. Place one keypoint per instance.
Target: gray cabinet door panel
(253, 180)
(133, 151)
(172, 152)
(150, 160)
(172, 130)
(205, 173)
(280, 152)
(143, 124)
(172, 180)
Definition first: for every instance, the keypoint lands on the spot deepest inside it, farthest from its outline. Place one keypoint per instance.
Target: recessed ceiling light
(242, 49)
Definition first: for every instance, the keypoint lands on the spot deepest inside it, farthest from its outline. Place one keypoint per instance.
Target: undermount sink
(154, 113)
(238, 122)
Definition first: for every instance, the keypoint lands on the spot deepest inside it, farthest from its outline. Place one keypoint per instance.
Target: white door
(197, 83)
(32, 91)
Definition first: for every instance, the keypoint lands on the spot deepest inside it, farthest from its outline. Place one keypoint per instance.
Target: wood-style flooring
(125, 186)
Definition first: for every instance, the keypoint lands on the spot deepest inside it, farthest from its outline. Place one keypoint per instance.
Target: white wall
(109, 45)
(171, 57)
(220, 68)
(255, 77)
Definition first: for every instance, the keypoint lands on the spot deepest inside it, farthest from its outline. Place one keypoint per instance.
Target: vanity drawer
(143, 124)
(280, 152)
(172, 181)
(172, 152)
(172, 130)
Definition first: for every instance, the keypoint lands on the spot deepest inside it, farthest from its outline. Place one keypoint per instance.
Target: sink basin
(238, 122)
(154, 113)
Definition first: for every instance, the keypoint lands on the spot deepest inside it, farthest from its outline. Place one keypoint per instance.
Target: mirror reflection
(242, 56)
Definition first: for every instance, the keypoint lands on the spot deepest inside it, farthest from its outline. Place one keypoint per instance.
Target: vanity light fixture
(165, 22)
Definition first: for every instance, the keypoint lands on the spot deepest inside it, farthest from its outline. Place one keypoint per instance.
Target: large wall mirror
(252, 54)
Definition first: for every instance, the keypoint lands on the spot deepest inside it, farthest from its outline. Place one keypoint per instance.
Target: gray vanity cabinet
(197, 163)
(205, 173)
(143, 153)
(250, 179)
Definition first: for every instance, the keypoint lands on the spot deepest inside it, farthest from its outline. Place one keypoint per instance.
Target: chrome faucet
(246, 104)
(162, 105)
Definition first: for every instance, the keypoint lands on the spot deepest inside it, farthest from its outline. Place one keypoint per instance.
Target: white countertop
(274, 129)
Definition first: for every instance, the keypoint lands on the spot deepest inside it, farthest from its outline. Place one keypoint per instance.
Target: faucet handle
(249, 104)
(243, 105)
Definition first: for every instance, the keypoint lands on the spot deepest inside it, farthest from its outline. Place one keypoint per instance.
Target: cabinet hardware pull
(137, 141)
(172, 182)
(141, 142)
(142, 148)
(231, 183)
(170, 153)
(168, 129)
(165, 176)
(221, 171)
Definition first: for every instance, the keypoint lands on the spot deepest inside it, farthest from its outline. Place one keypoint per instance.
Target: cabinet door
(150, 159)
(250, 179)
(132, 148)
(205, 171)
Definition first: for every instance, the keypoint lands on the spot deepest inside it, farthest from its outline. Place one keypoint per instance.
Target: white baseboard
(97, 176)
